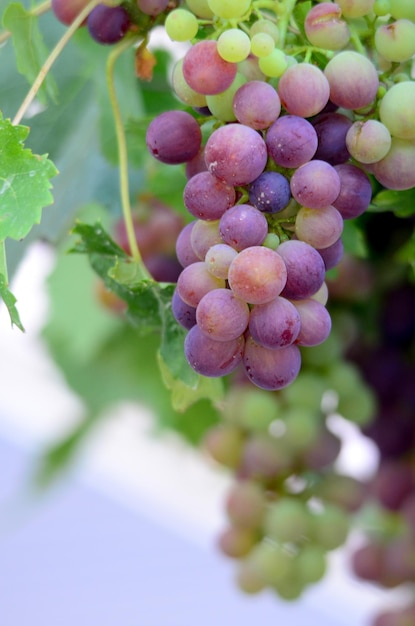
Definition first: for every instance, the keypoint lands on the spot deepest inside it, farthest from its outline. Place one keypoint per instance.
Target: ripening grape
(291, 141)
(396, 41)
(257, 275)
(236, 542)
(206, 197)
(315, 184)
(325, 28)
(315, 322)
(309, 81)
(195, 281)
(205, 71)
(319, 227)
(66, 11)
(108, 25)
(305, 269)
(396, 110)
(353, 80)
(173, 137)
(183, 313)
(243, 226)
(181, 25)
(256, 104)
(221, 104)
(368, 141)
(245, 504)
(269, 368)
(234, 45)
(152, 7)
(183, 91)
(222, 316)
(355, 191)
(287, 520)
(396, 170)
(275, 324)
(203, 236)
(218, 259)
(184, 250)
(270, 192)
(331, 129)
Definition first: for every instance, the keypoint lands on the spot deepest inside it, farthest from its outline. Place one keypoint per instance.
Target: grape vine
(280, 280)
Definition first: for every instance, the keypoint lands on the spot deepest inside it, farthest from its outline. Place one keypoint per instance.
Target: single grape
(245, 504)
(203, 236)
(200, 8)
(206, 197)
(262, 44)
(243, 226)
(368, 141)
(183, 91)
(264, 457)
(237, 542)
(66, 11)
(332, 255)
(305, 269)
(257, 275)
(256, 104)
(291, 141)
(181, 25)
(236, 154)
(396, 170)
(274, 64)
(353, 80)
(195, 281)
(265, 26)
(250, 408)
(315, 184)
(287, 520)
(396, 110)
(174, 137)
(355, 191)
(271, 369)
(309, 81)
(355, 8)
(320, 228)
(270, 192)
(315, 322)
(212, 358)
(311, 563)
(229, 9)
(275, 324)
(324, 27)
(184, 251)
(331, 527)
(108, 25)
(152, 7)
(205, 71)
(221, 104)
(218, 259)
(402, 8)
(222, 316)
(396, 41)
(331, 129)
(225, 444)
(234, 45)
(183, 313)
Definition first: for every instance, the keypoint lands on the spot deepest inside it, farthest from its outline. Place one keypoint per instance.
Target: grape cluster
(279, 151)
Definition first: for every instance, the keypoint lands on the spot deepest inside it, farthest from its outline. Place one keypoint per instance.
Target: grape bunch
(289, 127)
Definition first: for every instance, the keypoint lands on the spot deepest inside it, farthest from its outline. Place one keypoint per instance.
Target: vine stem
(122, 148)
(31, 95)
(36, 11)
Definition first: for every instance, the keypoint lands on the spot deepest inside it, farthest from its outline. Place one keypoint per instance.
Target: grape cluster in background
(294, 121)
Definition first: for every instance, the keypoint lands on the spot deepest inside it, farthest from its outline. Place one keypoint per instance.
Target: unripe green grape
(200, 8)
(396, 41)
(229, 9)
(221, 105)
(355, 8)
(311, 563)
(224, 443)
(234, 45)
(271, 241)
(181, 25)
(306, 391)
(396, 110)
(251, 408)
(330, 527)
(359, 407)
(237, 542)
(272, 562)
(262, 44)
(368, 141)
(381, 7)
(290, 588)
(302, 428)
(287, 521)
(265, 26)
(273, 65)
(402, 8)
(249, 577)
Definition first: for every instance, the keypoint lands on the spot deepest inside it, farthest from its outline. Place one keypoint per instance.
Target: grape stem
(31, 95)
(36, 11)
(124, 45)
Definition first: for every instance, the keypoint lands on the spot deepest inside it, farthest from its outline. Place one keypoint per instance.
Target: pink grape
(315, 322)
(256, 104)
(353, 80)
(319, 227)
(315, 184)
(309, 81)
(243, 226)
(305, 269)
(275, 324)
(195, 281)
(257, 275)
(291, 141)
(205, 71)
(212, 358)
(222, 316)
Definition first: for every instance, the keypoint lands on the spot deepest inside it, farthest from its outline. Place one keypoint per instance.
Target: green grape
(302, 427)
(249, 577)
(183, 91)
(330, 527)
(359, 407)
(251, 408)
(200, 8)
(234, 45)
(311, 563)
(262, 44)
(368, 141)
(344, 377)
(224, 443)
(355, 8)
(325, 354)
(287, 520)
(229, 9)
(306, 391)
(402, 8)
(396, 110)
(381, 7)
(273, 563)
(181, 25)
(396, 41)
(273, 65)
(237, 542)
(245, 504)
(290, 588)
(271, 241)
(267, 27)
(221, 105)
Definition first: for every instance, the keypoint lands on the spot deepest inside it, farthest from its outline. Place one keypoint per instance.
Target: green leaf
(402, 203)
(406, 254)
(354, 239)
(24, 182)
(10, 302)
(30, 50)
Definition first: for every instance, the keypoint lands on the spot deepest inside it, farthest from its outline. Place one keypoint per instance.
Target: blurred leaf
(30, 49)
(24, 182)
(354, 239)
(402, 203)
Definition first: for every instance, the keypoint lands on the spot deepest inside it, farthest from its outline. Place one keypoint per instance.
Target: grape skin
(315, 184)
(212, 358)
(257, 275)
(243, 226)
(291, 141)
(313, 85)
(66, 11)
(195, 281)
(275, 324)
(324, 27)
(108, 25)
(396, 170)
(207, 197)
(319, 227)
(315, 322)
(305, 269)
(353, 80)
(271, 369)
(222, 316)
(205, 71)
(174, 137)
(256, 104)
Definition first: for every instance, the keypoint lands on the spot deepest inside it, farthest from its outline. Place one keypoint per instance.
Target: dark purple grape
(333, 254)
(183, 313)
(108, 25)
(355, 191)
(174, 137)
(212, 358)
(291, 141)
(331, 129)
(270, 192)
(243, 226)
(305, 269)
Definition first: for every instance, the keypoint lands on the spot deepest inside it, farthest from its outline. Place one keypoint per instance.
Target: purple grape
(319, 227)
(275, 324)
(256, 104)
(152, 7)
(183, 313)
(270, 192)
(331, 129)
(315, 184)
(291, 141)
(212, 358)
(271, 369)
(236, 154)
(205, 71)
(222, 316)
(315, 322)
(353, 80)
(184, 251)
(196, 165)
(305, 269)
(355, 191)
(204, 235)
(163, 267)
(257, 275)
(207, 197)
(332, 255)
(393, 483)
(243, 226)
(108, 25)
(174, 137)
(67, 10)
(303, 90)
(195, 281)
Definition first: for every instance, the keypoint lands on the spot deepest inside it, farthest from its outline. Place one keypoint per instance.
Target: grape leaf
(402, 203)
(30, 50)
(24, 182)
(10, 302)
